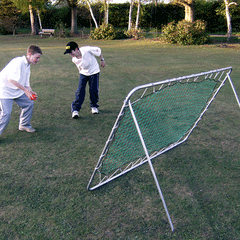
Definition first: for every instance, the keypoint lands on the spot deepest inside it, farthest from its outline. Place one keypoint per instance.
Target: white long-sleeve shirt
(88, 64)
(18, 69)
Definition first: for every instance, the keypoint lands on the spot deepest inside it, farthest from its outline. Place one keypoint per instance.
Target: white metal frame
(220, 75)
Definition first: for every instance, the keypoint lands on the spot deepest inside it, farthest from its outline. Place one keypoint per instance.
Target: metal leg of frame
(234, 91)
(151, 166)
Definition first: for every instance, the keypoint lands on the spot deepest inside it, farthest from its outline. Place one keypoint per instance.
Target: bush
(105, 31)
(120, 34)
(61, 30)
(3, 30)
(135, 33)
(186, 33)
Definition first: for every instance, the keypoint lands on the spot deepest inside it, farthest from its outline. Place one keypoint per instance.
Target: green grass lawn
(44, 175)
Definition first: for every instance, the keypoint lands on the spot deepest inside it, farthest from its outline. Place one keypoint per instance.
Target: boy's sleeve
(11, 72)
(95, 51)
(14, 71)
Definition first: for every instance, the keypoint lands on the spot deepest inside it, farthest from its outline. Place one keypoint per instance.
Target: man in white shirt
(15, 86)
(87, 64)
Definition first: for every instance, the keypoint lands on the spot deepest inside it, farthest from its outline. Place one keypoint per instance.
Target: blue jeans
(93, 82)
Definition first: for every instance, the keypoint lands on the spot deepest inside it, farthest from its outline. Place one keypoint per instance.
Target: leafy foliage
(186, 33)
(107, 32)
(24, 5)
(9, 17)
(135, 33)
(61, 30)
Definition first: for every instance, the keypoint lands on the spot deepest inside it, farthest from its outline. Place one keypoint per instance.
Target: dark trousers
(93, 82)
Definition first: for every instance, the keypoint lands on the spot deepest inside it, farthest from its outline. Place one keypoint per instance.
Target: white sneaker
(75, 114)
(27, 129)
(94, 110)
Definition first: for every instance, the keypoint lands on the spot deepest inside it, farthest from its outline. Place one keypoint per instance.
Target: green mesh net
(164, 117)
(154, 121)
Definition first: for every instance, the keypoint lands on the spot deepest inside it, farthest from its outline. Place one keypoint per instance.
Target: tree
(9, 15)
(189, 8)
(130, 15)
(91, 12)
(32, 6)
(106, 10)
(225, 11)
(72, 4)
(228, 17)
(138, 14)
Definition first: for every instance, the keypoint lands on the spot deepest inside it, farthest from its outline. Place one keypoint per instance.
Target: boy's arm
(27, 90)
(98, 52)
(102, 61)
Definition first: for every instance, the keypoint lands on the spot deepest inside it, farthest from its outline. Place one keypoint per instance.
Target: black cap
(70, 46)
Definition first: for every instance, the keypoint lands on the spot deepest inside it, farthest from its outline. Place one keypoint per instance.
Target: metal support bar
(150, 164)
(234, 91)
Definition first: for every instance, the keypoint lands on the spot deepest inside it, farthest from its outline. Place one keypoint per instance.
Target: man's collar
(25, 60)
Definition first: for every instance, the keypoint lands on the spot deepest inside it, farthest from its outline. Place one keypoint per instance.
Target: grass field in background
(44, 175)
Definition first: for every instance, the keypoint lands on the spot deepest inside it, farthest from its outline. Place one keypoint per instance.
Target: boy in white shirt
(15, 86)
(86, 62)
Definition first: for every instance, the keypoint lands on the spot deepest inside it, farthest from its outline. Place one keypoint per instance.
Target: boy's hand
(34, 97)
(103, 64)
(30, 94)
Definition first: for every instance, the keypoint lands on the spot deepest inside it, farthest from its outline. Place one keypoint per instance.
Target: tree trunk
(32, 20)
(130, 15)
(228, 17)
(106, 7)
(74, 20)
(189, 11)
(91, 12)
(39, 19)
(138, 14)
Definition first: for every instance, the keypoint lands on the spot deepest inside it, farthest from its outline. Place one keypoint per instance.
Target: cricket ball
(33, 97)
